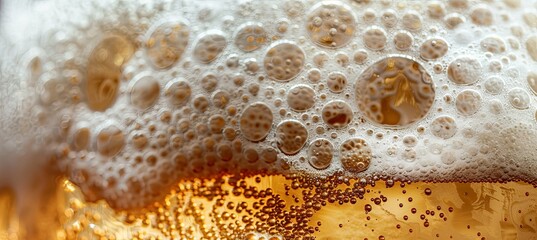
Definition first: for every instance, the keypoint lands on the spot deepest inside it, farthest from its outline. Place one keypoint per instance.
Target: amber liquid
(202, 209)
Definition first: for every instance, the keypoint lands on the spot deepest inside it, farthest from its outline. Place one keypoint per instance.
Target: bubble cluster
(355, 155)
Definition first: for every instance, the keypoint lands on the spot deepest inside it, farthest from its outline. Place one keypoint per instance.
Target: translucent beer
(290, 119)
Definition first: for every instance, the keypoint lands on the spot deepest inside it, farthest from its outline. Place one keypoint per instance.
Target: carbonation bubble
(81, 138)
(104, 71)
(436, 9)
(433, 48)
(330, 24)
(139, 140)
(396, 91)
(301, 98)
(519, 98)
(178, 92)
(375, 38)
(166, 43)
(250, 37)
(224, 151)
(291, 136)
(403, 40)
(481, 15)
(493, 85)
(493, 44)
(283, 61)
(144, 91)
(360, 56)
(256, 121)
(209, 46)
(221, 98)
(200, 103)
(389, 18)
(337, 114)
(109, 140)
(410, 141)
(209, 81)
(336, 82)
(453, 20)
(468, 102)
(314, 75)
(217, 123)
(412, 21)
(532, 81)
(320, 153)
(464, 70)
(531, 46)
(458, 3)
(355, 155)
(293, 8)
(269, 155)
(444, 127)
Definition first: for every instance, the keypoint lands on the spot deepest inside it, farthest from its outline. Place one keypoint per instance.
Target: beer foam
(128, 98)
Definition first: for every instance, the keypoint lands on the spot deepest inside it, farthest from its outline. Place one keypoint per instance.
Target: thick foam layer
(132, 97)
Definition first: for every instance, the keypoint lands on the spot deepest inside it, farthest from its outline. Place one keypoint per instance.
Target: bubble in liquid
(468, 102)
(494, 85)
(389, 18)
(330, 24)
(396, 91)
(336, 82)
(444, 127)
(433, 48)
(221, 98)
(81, 137)
(208, 82)
(320, 153)
(256, 121)
(109, 140)
(410, 141)
(519, 98)
(250, 37)
(337, 114)
(291, 136)
(355, 155)
(453, 20)
(481, 15)
(314, 75)
(104, 71)
(360, 56)
(177, 92)
(217, 123)
(532, 81)
(269, 155)
(144, 91)
(209, 46)
(412, 21)
(403, 40)
(166, 43)
(200, 103)
(464, 70)
(301, 98)
(283, 61)
(375, 38)
(531, 46)
(493, 44)
(436, 9)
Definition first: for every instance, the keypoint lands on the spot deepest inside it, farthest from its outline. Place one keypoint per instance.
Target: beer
(289, 119)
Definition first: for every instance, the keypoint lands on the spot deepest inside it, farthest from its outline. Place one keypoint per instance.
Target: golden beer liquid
(404, 211)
